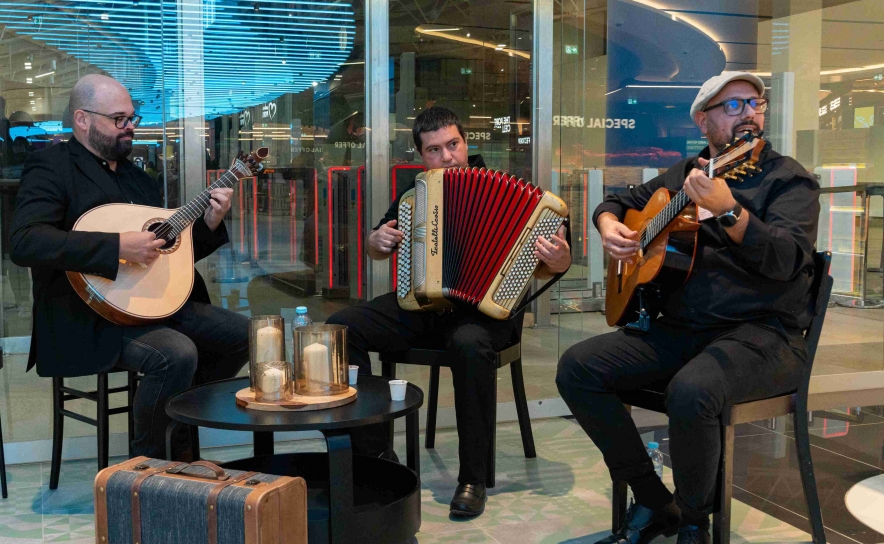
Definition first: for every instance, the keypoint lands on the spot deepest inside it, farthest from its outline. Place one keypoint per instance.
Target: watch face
(727, 220)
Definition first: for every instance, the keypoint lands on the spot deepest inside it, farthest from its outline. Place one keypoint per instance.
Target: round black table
(350, 497)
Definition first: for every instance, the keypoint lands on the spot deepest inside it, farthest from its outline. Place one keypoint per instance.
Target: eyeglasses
(735, 106)
(120, 121)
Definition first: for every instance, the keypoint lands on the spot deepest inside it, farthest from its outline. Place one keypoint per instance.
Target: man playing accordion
(470, 337)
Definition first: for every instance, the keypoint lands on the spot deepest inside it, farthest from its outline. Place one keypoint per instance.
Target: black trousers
(200, 343)
(699, 371)
(471, 340)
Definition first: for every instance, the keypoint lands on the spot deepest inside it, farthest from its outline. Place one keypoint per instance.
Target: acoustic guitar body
(141, 295)
(664, 265)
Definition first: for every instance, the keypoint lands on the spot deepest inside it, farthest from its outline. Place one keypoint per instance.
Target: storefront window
(212, 79)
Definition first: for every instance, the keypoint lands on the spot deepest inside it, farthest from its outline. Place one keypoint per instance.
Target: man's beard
(737, 132)
(109, 147)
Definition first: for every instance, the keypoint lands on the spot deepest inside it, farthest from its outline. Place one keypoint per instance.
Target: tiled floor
(561, 496)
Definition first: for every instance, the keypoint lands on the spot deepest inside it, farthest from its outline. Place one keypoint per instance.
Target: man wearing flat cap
(732, 333)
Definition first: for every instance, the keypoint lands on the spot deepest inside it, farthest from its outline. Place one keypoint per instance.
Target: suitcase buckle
(253, 482)
(140, 466)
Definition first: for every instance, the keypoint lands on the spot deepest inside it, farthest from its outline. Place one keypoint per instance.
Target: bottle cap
(653, 445)
(300, 309)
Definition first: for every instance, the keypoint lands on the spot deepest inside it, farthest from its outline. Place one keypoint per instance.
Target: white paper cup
(397, 389)
(354, 374)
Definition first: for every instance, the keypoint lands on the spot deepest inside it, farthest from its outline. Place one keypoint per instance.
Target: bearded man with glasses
(197, 344)
(732, 333)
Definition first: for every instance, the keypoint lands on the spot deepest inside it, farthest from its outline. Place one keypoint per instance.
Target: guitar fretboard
(667, 214)
(174, 225)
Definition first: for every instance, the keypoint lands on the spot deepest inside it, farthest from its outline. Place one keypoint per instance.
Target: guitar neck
(186, 215)
(669, 212)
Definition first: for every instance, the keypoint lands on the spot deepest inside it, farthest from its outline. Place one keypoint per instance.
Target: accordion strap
(524, 304)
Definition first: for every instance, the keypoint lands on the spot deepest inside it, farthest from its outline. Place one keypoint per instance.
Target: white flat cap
(715, 84)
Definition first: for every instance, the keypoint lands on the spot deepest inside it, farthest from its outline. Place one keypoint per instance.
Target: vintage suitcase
(151, 501)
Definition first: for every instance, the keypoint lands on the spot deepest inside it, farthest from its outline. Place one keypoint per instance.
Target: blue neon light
(208, 57)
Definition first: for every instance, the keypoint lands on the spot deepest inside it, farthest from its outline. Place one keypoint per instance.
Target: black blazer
(58, 185)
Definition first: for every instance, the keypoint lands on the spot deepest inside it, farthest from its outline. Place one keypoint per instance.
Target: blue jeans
(198, 344)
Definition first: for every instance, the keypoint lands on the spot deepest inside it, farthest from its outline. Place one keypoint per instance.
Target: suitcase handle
(218, 472)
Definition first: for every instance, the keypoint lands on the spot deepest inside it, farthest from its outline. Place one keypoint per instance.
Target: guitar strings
(667, 209)
(675, 205)
(168, 226)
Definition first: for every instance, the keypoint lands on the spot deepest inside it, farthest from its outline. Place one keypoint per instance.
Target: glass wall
(213, 79)
(626, 73)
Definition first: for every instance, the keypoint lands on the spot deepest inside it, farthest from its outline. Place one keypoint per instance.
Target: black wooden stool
(61, 394)
(436, 359)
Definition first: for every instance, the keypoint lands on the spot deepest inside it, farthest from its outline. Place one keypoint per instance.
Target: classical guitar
(143, 294)
(667, 229)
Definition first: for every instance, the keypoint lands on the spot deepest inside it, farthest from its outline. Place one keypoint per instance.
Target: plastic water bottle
(656, 457)
(301, 317)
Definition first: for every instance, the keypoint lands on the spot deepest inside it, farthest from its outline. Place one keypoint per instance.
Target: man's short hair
(433, 119)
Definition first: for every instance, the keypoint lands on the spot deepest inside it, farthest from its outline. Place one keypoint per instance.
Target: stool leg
(2, 466)
(721, 519)
(618, 500)
(133, 385)
(808, 481)
(57, 430)
(102, 421)
(430, 438)
(522, 409)
(491, 465)
(618, 497)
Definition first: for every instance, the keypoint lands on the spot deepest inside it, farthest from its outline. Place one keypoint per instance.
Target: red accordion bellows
(485, 213)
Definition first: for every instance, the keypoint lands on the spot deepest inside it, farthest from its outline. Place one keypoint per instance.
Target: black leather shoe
(469, 500)
(691, 534)
(643, 524)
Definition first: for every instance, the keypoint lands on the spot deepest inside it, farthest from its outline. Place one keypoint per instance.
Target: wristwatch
(729, 219)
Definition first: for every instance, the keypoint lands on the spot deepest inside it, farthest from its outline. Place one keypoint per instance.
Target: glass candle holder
(274, 381)
(266, 343)
(320, 357)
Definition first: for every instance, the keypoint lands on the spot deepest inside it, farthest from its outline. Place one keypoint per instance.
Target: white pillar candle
(272, 382)
(270, 345)
(316, 366)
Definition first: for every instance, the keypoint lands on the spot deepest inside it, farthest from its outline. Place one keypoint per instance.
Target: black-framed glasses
(735, 106)
(120, 121)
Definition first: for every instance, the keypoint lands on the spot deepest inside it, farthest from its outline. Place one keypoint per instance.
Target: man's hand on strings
(619, 241)
(218, 206)
(139, 247)
(712, 194)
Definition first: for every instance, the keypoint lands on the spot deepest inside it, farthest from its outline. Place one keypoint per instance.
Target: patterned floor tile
(22, 526)
(562, 496)
(69, 498)
(469, 536)
(23, 476)
(548, 532)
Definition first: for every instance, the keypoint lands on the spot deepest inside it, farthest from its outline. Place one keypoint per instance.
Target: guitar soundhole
(170, 245)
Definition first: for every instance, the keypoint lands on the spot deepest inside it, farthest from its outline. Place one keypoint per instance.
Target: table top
(214, 405)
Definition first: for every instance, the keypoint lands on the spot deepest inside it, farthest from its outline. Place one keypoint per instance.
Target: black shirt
(133, 189)
(473, 161)
(766, 278)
